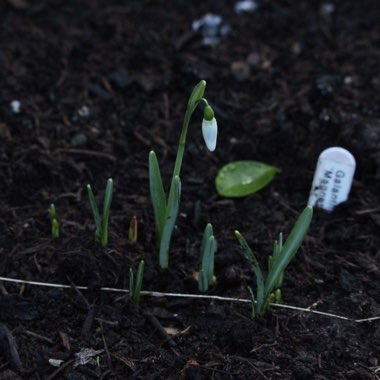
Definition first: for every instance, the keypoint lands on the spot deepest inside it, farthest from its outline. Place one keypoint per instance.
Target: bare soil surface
(100, 84)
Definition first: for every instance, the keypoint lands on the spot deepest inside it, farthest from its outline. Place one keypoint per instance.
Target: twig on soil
(87, 324)
(38, 336)
(60, 369)
(193, 296)
(77, 290)
(367, 211)
(109, 361)
(286, 206)
(325, 314)
(8, 346)
(157, 325)
(251, 364)
(3, 290)
(3, 366)
(105, 374)
(219, 370)
(86, 152)
(65, 340)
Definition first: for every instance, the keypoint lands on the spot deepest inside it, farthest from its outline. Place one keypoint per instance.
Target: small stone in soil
(245, 6)
(121, 78)
(231, 275)
(79, 140)
(240, 71)
(327, 8)
(303, 373)
(84, 112)
(254, 59)
(327, 84)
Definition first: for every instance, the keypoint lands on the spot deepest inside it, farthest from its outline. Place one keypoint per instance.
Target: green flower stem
(182, 143)
(182, 138)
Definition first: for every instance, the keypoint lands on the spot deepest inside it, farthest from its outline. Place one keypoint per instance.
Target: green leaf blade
(95, 211)
(52, 211)
(202, 281)
(131, 283)
(171, 217)
(54, 229)
(241, 178)
(106, 212)
(253, 302)
(260, 302)
(208, 232)
(139, 281)
(289, 249)
(157, 194)
(208, 259)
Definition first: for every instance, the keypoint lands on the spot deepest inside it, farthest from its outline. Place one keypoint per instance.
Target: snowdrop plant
(166, 207)
(207, 251)
(101, 222)
(268, 289)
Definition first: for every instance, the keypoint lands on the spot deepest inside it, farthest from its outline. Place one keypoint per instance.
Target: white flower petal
(210, 132)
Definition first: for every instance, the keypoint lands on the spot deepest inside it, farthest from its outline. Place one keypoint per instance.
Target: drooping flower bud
(209, 128)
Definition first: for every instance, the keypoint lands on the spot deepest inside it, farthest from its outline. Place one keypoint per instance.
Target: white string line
(194, 296)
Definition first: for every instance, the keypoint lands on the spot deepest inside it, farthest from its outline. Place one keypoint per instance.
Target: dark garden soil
(101, 83)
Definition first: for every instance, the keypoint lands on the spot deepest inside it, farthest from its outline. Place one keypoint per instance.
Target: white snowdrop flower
(209, 128)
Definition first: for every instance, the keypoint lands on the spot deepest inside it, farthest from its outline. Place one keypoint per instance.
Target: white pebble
(245, 6)
(84, 111)
(15, 106)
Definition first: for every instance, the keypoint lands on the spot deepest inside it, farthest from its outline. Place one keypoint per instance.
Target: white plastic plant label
(332, 178)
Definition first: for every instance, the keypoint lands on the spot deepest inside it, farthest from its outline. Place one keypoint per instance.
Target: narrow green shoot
(135, 286)
(133, 230)
(54, 222)
(157, 195)
(52, 211)
(260, 296)
(101, 222)
(253, 302)
(171, 217)
(208, 232)
(277, 248)
(207, 254)
(289, 249)
(166, 207)
(268, 290)
(54, 229)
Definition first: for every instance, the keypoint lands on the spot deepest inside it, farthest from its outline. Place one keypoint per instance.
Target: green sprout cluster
(268, 289)
(166, 209)
(135, 285)
(101, 222)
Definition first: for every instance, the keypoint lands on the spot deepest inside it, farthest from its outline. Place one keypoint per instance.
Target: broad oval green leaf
(242, 178)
